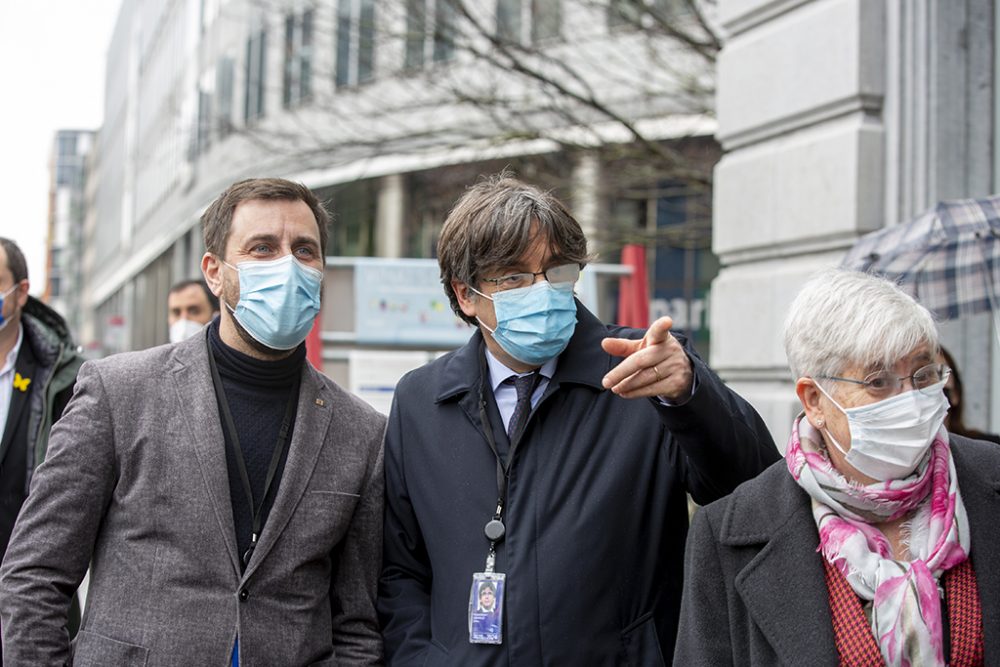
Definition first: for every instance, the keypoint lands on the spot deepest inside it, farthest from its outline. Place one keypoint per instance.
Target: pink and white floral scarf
(906, 616)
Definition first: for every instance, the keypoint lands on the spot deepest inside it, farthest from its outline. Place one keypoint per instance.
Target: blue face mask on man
(534, 324)
(279, 301)
(4, 321)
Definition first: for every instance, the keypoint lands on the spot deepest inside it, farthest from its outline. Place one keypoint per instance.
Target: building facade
(839, 117)
(388, 111)
(65, 239)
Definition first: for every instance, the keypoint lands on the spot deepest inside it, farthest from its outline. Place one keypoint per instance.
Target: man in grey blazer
(227, 496)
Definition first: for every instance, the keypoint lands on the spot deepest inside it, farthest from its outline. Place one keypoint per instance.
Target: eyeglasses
(882, 384)
(562, 274)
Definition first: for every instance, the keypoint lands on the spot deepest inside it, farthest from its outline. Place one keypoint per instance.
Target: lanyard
(494, 528)
(255, 509)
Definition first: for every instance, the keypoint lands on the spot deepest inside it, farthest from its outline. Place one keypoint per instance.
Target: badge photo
(486, 608)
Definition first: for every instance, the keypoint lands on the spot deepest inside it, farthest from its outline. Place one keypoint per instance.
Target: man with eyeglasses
(520, 460)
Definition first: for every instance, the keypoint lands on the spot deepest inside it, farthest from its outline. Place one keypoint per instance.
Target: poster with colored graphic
(402, 302)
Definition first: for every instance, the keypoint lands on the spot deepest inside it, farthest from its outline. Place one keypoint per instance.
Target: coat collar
(194, 391)
(583, 361)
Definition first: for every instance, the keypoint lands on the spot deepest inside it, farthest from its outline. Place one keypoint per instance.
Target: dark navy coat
(596, 517)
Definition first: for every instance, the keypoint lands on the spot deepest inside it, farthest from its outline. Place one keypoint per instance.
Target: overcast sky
(52, 58)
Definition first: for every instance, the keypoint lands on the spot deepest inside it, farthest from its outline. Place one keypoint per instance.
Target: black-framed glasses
(882, 384)
(562, 274)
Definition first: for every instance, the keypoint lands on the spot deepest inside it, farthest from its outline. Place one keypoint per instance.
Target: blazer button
(244, 594)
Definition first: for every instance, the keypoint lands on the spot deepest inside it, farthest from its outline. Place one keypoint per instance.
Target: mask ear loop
(821, 425)
(222, 299)
(485, 296)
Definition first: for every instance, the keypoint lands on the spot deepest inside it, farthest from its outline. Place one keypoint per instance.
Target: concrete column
(800, 92)
(389, 216)
(585, 190)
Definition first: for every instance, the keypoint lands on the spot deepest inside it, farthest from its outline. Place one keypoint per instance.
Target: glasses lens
(514, 281)
(930, 375)
(564, 273)
(880, 383)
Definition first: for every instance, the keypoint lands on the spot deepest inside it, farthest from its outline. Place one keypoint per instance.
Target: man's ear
(21, 293)
(466, 297)
(211, 268)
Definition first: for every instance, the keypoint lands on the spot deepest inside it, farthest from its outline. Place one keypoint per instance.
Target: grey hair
(846, 318)
(494, 224)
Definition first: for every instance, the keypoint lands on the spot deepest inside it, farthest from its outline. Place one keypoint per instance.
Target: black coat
(596, 518)
(755, 592)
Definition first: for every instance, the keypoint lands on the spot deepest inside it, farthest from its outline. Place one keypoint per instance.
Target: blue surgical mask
(4, 321)
(534, 324)
(279, 301)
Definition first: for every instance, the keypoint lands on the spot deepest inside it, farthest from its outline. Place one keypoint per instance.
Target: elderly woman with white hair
(877, 539)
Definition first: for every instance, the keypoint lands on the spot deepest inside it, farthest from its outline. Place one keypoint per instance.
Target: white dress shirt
(7, 379)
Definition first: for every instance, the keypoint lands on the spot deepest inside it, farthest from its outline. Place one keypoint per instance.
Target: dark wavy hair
(495, 223)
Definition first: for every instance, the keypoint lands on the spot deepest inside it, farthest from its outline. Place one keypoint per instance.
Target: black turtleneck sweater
(257, 393)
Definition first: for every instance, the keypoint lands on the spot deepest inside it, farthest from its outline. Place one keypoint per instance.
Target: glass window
(509, 20)
(297, 82)
(306, 55)
(67, 174)
(353, 235)
(625, 13)
(203, 137)
(67, 144)
(224, 96)
(444, 26)
(416, 25)
(546, 18)
(430, 32)
(286, 88)
(256, 59)
(519, 21)
(355, 42)
(344, 42)
(366, 41)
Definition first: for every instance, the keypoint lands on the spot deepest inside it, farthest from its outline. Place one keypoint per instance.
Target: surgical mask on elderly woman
(890, 438)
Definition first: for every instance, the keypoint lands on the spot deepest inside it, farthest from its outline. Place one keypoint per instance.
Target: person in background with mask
(190, 306)
(226, 495)
(551, 450)
(876, 541)
(38, 367)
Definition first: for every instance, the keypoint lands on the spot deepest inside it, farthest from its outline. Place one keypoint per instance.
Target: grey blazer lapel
(783, 586)
(312, 420)
(979, 483)
(194, 391)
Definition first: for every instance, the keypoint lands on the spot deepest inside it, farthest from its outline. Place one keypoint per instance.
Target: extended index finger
(659, 331)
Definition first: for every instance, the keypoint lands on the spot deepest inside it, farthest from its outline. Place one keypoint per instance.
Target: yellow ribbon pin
(20, 382)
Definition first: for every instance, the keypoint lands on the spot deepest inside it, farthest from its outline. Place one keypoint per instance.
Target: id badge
(486, 608)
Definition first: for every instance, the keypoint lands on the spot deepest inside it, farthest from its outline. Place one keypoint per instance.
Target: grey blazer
(135, 482)
(754, 588)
